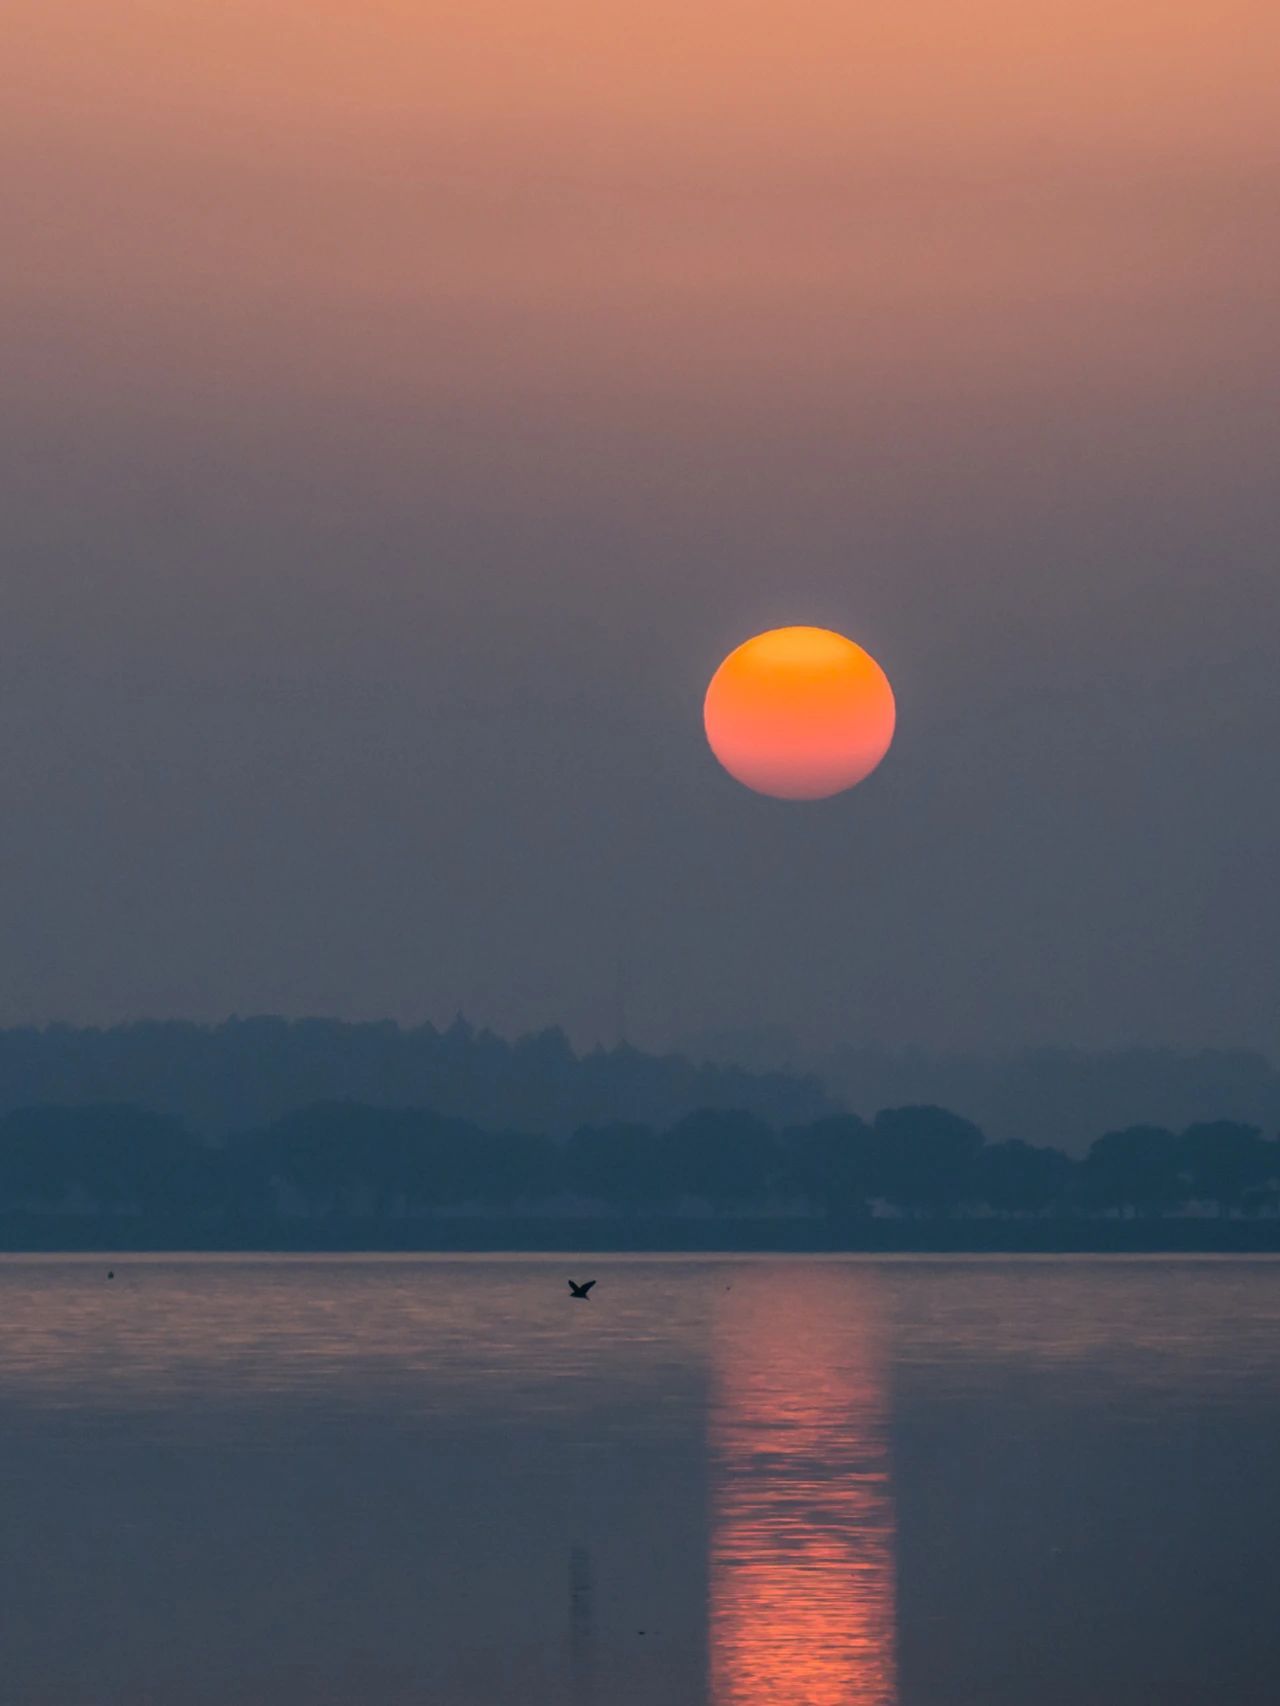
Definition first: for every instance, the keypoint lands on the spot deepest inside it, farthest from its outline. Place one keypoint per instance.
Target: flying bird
(582, 1290)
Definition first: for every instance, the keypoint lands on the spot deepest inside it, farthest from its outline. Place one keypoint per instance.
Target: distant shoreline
(54, 1234)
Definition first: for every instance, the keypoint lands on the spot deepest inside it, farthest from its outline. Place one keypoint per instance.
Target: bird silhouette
(582, 1290)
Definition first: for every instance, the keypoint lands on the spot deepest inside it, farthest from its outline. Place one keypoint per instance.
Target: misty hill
(246, 1073)
(1051, 1095)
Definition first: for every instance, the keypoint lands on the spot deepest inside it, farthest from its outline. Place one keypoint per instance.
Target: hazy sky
(406, 405)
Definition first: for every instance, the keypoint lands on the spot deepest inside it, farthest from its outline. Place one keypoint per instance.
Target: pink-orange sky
(406, 406)
(693, 202)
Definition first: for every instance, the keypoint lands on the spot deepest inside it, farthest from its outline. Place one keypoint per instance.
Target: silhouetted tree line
(351, 1160)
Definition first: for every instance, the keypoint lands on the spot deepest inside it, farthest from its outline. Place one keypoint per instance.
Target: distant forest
(244, 1073)
(203, 1133)
(1062, 1096)
(353, 1162)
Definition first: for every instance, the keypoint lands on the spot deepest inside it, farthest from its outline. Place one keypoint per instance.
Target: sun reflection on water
(802, 1544)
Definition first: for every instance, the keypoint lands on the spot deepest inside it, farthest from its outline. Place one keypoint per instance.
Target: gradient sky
(407, 405)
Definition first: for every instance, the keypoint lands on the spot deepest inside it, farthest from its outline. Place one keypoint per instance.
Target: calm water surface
(723, 1482)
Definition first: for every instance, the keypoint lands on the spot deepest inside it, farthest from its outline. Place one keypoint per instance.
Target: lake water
(721, 1482)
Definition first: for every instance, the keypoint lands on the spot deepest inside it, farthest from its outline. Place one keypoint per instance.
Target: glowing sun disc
(799, 713)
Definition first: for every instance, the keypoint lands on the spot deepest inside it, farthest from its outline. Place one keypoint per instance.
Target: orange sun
(799, 713)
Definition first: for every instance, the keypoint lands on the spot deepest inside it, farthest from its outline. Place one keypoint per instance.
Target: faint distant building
(581, 1627)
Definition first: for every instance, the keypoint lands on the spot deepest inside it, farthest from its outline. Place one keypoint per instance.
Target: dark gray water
(720, 1483)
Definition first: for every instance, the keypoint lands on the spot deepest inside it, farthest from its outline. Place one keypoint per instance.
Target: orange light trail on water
(802, 1549)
